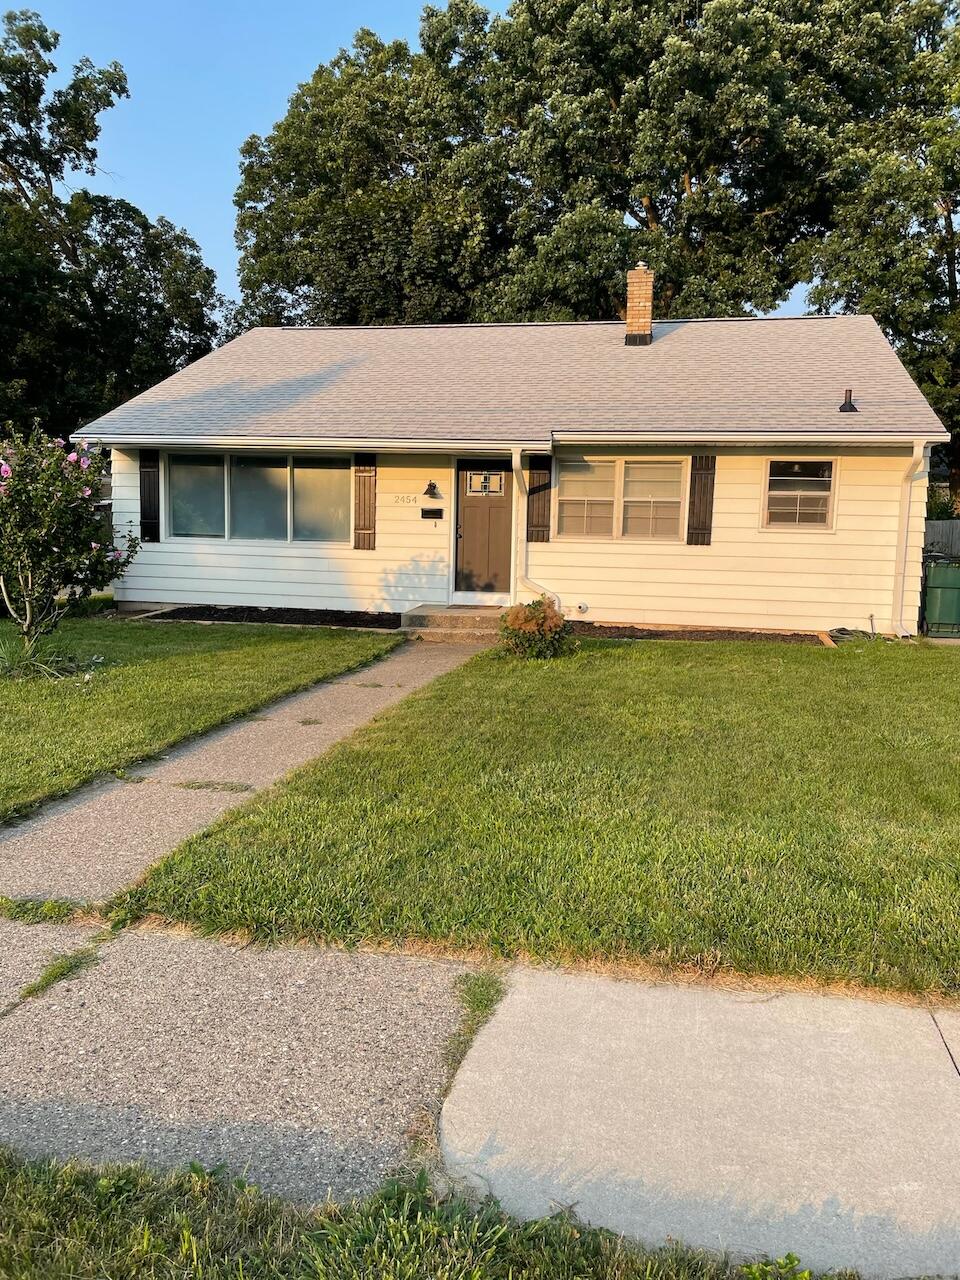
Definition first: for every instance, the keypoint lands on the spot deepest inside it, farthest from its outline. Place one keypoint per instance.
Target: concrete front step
(459, 635)
(429, 617)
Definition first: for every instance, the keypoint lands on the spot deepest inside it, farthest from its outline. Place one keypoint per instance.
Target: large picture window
(321, 499)
(197, 504)
(620, 498)
(799, 493)
(258, 497)
(261, 497)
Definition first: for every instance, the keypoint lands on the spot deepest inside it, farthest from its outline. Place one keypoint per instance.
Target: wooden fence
(942, 536)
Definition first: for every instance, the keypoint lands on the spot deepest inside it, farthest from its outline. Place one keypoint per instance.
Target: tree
(891, 248)
(98, 302)
(54, 545)
(378, 198)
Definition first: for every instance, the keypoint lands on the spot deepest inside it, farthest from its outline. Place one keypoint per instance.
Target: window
(621, 498)
(652, 499)
(263, 497)
(321, 499)
(799, 493)
(258, 497)
(585, 498)
(196, 495)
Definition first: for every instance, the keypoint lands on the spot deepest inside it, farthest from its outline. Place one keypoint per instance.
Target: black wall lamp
(432, 490)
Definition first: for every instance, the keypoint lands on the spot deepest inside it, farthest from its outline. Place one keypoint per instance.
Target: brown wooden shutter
(538, 499)
(149, 495)
(703, 470)
(365, 501)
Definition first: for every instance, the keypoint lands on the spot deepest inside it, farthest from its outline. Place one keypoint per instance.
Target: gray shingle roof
(530, 384)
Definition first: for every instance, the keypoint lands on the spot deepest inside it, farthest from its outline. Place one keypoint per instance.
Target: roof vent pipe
(848, 406)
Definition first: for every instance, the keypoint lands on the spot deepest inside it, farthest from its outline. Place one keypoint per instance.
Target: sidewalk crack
(943, 1038)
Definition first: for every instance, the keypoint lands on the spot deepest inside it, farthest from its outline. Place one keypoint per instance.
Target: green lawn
(159, 684)
(76, 1222)
(769, 808)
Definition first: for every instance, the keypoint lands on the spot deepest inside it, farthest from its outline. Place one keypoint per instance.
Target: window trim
(208, 540)
(620, 460)
(830, 524)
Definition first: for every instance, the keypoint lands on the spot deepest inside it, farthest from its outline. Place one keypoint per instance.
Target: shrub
(55, 549)
(939, 503)
(536, 630)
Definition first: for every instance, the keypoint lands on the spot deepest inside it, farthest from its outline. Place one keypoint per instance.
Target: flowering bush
(54, 544)
(536, 630)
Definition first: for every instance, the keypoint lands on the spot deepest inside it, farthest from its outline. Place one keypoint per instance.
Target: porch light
(431, 491)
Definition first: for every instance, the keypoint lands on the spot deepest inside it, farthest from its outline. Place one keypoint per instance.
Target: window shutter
(365, 501)
(538, 499)
(149, 495)
(703, 470)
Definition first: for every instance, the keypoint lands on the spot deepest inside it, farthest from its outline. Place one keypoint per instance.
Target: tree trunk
(953, 462)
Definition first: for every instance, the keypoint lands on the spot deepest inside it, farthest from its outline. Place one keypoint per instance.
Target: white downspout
(520, 559)
(917, 459)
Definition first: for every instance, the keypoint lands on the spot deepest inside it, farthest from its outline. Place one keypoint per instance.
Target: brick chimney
(639, 306)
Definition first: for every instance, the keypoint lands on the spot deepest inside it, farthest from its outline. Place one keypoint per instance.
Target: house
(745, 473)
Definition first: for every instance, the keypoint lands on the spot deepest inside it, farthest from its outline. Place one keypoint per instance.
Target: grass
(159, 684)
(66, 965)
(773, 809)
(77, 1222)
(37, 910)
(480, 993)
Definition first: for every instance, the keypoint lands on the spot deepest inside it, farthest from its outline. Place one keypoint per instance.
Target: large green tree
(97, 302)
(892, 245)
(379, 198)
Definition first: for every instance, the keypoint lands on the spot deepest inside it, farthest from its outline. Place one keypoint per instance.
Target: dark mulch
(602, 630)
(290, 617)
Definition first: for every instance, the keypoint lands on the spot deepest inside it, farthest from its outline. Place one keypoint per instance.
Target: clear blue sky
(203, 76)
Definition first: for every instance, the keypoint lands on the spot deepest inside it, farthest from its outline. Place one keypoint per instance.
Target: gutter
(522, 546)
(784, 439)
(917, 461)
(287, 444)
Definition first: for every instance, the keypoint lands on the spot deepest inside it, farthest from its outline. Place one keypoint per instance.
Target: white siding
(410, 565)
(747, 577)
(750, 576)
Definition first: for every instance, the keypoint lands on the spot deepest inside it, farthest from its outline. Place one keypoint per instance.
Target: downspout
(917, 460)
(520, 561)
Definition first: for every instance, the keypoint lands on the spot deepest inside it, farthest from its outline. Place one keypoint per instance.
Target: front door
(484, 489)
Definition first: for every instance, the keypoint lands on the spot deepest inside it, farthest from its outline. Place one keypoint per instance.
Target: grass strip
(72, 1221)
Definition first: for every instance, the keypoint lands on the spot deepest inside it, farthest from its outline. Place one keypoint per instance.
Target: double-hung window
(620, 498)
(260, 497)
(799, 492)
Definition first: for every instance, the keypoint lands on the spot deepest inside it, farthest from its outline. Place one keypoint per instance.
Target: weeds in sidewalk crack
(38, 910)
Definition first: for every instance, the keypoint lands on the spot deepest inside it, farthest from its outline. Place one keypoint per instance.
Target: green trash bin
(941, 600)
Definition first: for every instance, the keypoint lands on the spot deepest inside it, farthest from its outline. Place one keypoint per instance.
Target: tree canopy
(96, 301)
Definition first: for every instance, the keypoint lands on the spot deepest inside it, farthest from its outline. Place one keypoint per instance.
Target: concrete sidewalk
(754, 1123)
(104, 836)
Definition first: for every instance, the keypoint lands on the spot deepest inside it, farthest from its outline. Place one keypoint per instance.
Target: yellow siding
(750, 576)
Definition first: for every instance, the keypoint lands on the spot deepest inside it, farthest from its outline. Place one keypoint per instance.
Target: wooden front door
(484, 490)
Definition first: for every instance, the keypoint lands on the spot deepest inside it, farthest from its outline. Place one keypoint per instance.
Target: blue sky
(203, 76)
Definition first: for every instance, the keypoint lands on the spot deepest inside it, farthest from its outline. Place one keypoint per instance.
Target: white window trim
(210, 540)
(619, 460)
(790, 529)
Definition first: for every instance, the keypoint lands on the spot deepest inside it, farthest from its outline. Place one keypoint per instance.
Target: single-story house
(744, 473)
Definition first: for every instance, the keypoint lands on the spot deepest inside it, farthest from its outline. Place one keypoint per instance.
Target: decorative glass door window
(482, 484)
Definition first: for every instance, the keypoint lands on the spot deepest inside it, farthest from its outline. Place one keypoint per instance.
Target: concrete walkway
(753, 1123)
(306, 1070)
(103, 837)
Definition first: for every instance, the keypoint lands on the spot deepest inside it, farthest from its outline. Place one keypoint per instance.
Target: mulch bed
(288, 617)
(605, 631)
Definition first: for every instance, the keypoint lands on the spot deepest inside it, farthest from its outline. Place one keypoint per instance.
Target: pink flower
(60, 441)
(86, 493)
(84, 462)
(117, 555)
(72, 457)
(6, 471)
(94, 546)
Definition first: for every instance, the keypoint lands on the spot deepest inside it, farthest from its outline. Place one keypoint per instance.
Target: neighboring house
(697, 472)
